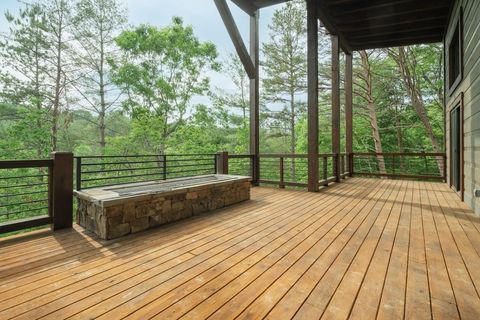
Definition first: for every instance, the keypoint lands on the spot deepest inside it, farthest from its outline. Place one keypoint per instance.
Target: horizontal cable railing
(35, 193)
(423, 166)
(102, 171)
(240, 164)
(24, 193)
(275, 169)
(291, 170)
(284, 170)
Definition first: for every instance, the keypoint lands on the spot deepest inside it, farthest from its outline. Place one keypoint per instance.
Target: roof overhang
(369, 24)
(250, 6)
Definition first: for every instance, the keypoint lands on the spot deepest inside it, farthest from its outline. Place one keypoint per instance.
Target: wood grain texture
(362, 249)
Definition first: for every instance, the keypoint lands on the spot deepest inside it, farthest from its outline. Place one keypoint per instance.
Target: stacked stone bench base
(114, 218)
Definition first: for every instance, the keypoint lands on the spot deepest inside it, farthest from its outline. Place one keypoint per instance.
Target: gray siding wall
(470, 87)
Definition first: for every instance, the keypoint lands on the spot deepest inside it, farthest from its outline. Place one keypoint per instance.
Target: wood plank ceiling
(368, 24)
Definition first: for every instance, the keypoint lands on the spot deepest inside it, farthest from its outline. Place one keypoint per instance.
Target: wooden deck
(362, 249)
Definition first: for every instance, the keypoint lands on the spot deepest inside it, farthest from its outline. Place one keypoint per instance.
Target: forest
(76, 77)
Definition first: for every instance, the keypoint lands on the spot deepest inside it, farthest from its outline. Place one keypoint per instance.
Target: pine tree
(24, 76)
(95, 25)
(285, 66)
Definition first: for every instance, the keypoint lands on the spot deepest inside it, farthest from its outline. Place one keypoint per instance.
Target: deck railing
(39, 192)
(237, 164)
(426, 166)
(35, 193)
(291, 170)
(102, 171)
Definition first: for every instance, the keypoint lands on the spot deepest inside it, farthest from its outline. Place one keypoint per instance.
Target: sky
(201, 14)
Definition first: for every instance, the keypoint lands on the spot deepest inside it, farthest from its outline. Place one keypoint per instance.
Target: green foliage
(285, 67)
(94, 27)
(161, 71)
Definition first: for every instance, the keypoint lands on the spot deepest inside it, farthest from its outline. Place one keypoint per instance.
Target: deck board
(361, 249)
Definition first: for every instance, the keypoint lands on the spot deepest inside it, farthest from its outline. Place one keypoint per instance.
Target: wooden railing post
(78, 184)
(444, 168)
(164, 166)
(282, 177)
(61, 186)
(393, 165)
(351, 164)
(336, 167)
(222, 162)
(325, 170)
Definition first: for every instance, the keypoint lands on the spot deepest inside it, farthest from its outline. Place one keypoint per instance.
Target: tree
(58, 21)
(24, 54)
(412, 76)
(364, 90)
(285, 66)
(36, 65)
(239, 99)
(160, 71)
(235, 105)
(95, 25)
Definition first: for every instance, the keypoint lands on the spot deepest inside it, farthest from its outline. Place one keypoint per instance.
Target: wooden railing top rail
(407, 154)
(291, 155)
(240, 156)
(23, 164)
(147, 155)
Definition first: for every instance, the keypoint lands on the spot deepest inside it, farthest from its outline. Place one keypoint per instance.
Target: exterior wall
(470, 89)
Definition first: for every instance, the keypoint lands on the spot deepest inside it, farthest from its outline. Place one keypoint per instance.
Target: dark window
(455, 57)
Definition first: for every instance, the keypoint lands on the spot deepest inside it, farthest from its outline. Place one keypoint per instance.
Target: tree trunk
(38, 96)
(417, 100)
(372, 111)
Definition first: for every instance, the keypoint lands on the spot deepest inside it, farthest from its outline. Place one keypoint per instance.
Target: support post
(282, 171)
(255, 98)
(164, 166)
(393, 165)
(325, 171)
(222, 162)
(78, 174)
(62, 190)
(349, 111)
(235, 36)
(312, 61)
(336, 106)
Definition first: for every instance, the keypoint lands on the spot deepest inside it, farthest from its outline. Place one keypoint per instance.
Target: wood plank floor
(361, 249)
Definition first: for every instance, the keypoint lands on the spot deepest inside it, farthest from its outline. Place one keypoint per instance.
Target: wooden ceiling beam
(432, 33)
(250, 6)
(396, 42)
(237, 40)
(394, 25)
(331, 27)
(349, 6)
(246, 6)
(394, 32)
(408, 15)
